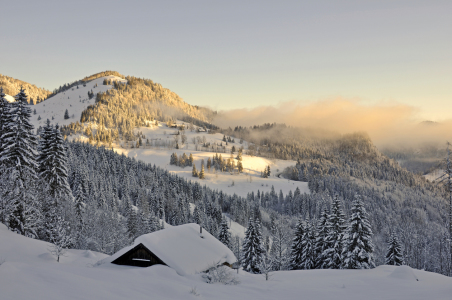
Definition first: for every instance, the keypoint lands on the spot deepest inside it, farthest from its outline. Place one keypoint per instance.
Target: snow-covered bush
(194, 291)
(221, 274)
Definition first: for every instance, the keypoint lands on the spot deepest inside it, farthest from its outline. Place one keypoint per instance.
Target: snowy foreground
(28, 271)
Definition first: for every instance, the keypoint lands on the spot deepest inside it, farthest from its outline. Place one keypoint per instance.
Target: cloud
(385, 123)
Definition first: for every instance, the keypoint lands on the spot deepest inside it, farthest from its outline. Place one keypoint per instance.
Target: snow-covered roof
(183, 249)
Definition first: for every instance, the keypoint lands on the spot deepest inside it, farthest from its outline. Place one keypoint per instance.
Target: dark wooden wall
(138, 252)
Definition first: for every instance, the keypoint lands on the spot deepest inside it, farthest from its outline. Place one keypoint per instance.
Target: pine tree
(252, 248)
(336, 231)
(358, 246)
(66, 114)
(201, 173)
(5, 118)
(394, 254)
(18, 159)
(79, 203)
(296, 251)
(194, 172)
(308, 246)
(321, 240)
(224, 235)
(4, 113)
(239, 155)
(53, 164)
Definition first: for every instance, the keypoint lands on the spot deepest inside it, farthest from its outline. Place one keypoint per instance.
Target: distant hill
(133, 102)
(11, 86)
(429, 123)
(116, 102)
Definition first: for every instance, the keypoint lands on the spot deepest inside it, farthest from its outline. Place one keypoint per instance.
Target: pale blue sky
(234, 54)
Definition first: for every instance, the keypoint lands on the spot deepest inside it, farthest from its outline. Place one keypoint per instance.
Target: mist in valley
(397, 130)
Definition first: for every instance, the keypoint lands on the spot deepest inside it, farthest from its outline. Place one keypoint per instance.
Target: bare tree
(266, 265)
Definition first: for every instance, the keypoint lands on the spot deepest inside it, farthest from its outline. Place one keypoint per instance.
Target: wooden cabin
(184, 248)
(138, 256)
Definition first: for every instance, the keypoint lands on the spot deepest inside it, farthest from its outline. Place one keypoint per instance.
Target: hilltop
(11, 87)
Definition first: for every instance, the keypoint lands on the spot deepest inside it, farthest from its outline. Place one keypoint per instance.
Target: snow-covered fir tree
(5, 118)
(394, 254)
(336, 230)
(201, 174)
(358, 246)
(4, 114)
(296, 251)
(18, 158)
(321, 239)
(224, 235)
(308, 246)
(252, 249)
(53, 175)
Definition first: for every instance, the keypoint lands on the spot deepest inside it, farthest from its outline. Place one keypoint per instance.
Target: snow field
(240, 184)
(29, 272)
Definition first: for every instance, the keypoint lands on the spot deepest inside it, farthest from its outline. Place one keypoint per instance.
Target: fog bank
(387, 124)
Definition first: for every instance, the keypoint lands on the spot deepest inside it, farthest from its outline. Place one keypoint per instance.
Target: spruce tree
(394, 254)
(336, 230)
(194, 172)
(224, 235)
(296, 251)
(18, 159)
(321, 240)
(201, 173)
(252, 248)
(66, 114)
(4, 112)
(358, 246)
(308, 246)
(53, 164)
(5, 118)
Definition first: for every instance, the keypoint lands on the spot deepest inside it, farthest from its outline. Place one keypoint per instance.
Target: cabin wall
(139, 256)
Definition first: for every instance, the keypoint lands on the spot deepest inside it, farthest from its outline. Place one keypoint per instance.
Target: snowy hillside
(27, 263)
(75, 100)
(435, 175)
(240, 184)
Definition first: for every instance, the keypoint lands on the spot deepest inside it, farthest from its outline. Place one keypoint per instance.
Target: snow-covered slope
(240, 184)
(28, 272)
(16, 248)
(435, 175)
(75, 100)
